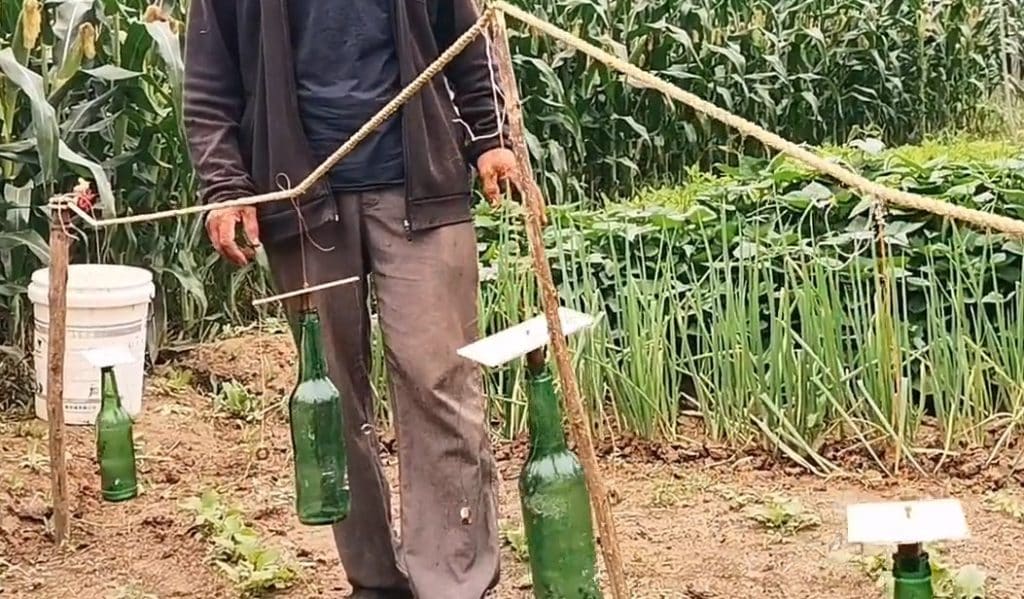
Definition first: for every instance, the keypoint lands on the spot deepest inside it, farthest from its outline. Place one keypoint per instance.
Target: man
(272, 87)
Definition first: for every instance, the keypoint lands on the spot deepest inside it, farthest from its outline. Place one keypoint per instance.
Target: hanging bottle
(321, 469)
(555, 503)
(115, 446)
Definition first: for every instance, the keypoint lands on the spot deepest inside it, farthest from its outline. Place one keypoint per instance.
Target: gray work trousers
(426, 292)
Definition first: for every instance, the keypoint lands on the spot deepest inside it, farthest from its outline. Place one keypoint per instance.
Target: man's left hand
(497, 166)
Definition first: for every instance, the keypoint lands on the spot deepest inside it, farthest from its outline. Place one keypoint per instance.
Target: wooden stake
(579, 425)
(60, 242)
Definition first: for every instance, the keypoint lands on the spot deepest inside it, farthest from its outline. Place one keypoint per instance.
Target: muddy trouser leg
(426, 290)
(365, 539)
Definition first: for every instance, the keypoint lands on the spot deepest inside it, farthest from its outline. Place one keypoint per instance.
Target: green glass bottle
(321, 468)
(115, 446)
(912, 573)
(556, 506)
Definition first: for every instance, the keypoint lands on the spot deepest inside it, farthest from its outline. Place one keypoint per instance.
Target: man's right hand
(221, 227)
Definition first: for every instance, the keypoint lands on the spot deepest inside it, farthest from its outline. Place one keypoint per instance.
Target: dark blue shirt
(346, 68)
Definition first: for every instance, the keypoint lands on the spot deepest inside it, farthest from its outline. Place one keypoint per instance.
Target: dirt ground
(682, 510)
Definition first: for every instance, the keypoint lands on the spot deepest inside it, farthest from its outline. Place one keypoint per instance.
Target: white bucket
(108, 307)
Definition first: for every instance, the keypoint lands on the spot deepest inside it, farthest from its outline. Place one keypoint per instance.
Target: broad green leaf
(44, 118)
(27, 238)
(169, 47)
(99, 177)
(19, 204)
(70, 14)
(109, 72)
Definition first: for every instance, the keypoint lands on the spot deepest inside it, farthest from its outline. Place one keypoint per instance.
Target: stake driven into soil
(58, 309)
(579, 425)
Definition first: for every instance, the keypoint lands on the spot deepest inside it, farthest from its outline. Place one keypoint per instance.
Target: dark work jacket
(243, 126)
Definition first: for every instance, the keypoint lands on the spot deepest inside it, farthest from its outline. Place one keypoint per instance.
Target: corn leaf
(99, 177)
(44, 118)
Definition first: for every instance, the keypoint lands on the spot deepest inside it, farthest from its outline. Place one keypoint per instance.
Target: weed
(670, 494)
(35, 459)
(514, 537)
(235, 400)
(29, 429)
(238, 550)
(1006, 503)
(783, 515)
(179, 380)
(735, 499)
(13, 484)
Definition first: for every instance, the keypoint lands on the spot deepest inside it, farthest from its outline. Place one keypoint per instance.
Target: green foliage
(98, 96)
(783, 515)
(948, 581)
(1009, 504)
(811, 71)
(234, 399)
(754, 298)
(237, 548)
(514, 537)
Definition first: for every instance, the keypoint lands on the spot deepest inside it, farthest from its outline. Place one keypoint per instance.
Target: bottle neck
(545, 415)
(110, 398)
(312, 364)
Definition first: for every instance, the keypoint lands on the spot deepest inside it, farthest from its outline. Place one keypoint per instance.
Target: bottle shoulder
(552, 466)
(315, 390)
(116, 416)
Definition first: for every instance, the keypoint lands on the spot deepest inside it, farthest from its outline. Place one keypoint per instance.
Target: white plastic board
(519, 340)
(906, 522)
(102, 357)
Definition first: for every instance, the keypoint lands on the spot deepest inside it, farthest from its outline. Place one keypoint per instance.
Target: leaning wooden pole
(60, 243)
(579, 425)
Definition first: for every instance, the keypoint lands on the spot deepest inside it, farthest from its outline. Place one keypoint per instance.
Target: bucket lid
(98, 277)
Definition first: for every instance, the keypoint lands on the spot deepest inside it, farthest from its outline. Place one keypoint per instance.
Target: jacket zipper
(406, 224)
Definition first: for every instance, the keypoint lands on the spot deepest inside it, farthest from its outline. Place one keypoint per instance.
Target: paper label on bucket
(102, 357)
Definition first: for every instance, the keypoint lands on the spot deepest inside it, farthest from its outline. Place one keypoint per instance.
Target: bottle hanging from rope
(912, 573)
(115, 445)
(318, 442)
(555, 503)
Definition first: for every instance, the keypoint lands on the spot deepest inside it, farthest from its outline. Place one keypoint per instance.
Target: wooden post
(579, 424)
(60, 242)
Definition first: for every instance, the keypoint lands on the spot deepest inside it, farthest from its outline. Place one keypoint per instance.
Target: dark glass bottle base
(122, 495)
(324, 518)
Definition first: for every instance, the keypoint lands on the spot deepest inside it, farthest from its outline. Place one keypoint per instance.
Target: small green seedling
(35, 459)
(237, 549)
(514, 537)
(783, 515)
(673, 493)
(232, 398)
(179, 380)
(1006, 503)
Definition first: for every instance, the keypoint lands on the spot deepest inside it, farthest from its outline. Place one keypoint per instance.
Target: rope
(389, 110)
(890, 196)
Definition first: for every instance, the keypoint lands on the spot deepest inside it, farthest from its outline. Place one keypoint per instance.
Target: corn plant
(813, 71)
(93, 89)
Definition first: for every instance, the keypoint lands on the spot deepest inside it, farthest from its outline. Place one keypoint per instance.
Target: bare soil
(677, 506)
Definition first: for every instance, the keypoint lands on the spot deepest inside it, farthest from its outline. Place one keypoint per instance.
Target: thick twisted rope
(389, 110)
(886, 194)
